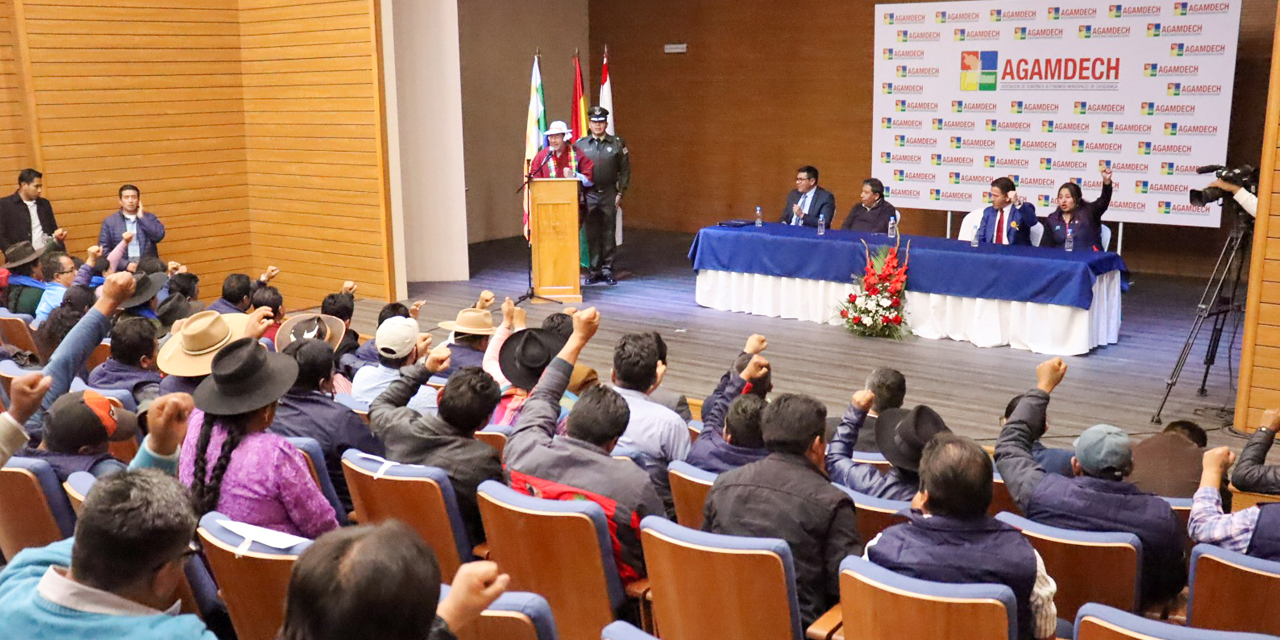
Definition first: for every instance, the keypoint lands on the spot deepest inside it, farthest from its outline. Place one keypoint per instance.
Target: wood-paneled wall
(252, 127)
(313, 131)
(1260, 355)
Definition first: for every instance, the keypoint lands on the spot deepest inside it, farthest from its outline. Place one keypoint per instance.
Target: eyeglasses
(804, 179)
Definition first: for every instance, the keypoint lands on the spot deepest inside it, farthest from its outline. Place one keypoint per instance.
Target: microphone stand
(529, 294)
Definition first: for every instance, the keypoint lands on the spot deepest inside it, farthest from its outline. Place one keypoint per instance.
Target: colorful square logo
(989, 161)
(899, 175)
(1046, 164)
(960, 34)
(978, 70)
(1019, 33)
(902, 71)
(1045, 200)
(957, 106)
(1079, 181)
(1108, 126)
(886, 87)
(1151, 70)
(1166, 168)
(1085, 31)
(1015, 144)
(940, 16)
(954, 177)
(1177, 49)
(992, 125)
(1077, 146)
(1144, 148)
(1104, 164)
(1180, 9)
(1081, 108)
(1164, 207)
(1147, 109)
(888, 18)
(900, 141)
(1141, 186)
(957, 142)
(935, 158)
(886, 157)
(902, 36)
(900, 105)
(1175, 88)
(937, 123)
(1046, 126)
(986, 197)
(1055, 13)
(1015, 106)
(935, 194)
(1171, 128)
(1115, 10)
(1153, 29)
(886, 123)
(996, 14)
(887, 54)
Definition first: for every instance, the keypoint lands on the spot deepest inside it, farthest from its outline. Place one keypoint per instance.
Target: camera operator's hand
(1224, 185)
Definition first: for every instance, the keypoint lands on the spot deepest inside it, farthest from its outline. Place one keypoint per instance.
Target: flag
(578, 124)
(606, 101)
(534, 137)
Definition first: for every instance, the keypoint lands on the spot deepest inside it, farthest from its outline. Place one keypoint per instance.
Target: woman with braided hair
(230, 461)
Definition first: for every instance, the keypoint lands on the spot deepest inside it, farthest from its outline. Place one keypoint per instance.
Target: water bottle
(822, 226)
(1070, 245)
(759, 220)
(973, 242)
(893, 228)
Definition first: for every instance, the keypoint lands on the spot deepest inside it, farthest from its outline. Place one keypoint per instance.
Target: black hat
(175, 308)
(20, 253)
(902, 435)
(147, 288)
(245, 377)
(526, 354)
(598, 114)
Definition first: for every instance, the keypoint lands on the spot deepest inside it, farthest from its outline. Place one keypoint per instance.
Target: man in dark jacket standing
(873, 213)
(446, 439)
(612, 162)
(1098, 498)
(146, 228)
(25, 216)
(787, 496)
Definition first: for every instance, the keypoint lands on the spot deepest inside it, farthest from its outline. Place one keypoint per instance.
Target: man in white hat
(560, 159)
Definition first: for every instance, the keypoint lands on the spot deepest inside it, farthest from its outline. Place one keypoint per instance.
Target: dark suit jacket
(15, 220)
(1018, 222)
(824, 204)
(873, 220)
(150, 231)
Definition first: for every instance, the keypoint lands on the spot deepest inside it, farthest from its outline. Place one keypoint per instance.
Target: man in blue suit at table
(1009, 218)
(808, 202)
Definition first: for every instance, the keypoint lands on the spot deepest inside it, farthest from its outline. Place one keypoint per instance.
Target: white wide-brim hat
(558, 128)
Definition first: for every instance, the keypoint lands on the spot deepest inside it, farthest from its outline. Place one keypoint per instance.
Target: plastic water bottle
(822, 226)
(973, 242)
(1070, 244)
(759, 219)
(893, 228)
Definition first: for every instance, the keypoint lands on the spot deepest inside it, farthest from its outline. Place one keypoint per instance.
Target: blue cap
(1104, 447)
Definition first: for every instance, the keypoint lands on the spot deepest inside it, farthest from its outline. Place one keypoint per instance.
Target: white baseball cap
(396, 337)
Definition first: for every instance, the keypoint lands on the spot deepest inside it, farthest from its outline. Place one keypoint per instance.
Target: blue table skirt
(945, 267)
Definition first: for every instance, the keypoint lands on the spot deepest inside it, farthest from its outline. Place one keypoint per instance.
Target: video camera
(1245, 176)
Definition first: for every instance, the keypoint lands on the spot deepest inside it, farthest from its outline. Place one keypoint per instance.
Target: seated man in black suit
(873, 213)
(808, 202)
(26, 212)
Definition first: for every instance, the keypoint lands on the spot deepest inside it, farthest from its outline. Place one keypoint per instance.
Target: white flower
(884, 302)
(867, 320)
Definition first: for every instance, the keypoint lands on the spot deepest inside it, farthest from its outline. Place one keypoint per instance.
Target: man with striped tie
(808, 202)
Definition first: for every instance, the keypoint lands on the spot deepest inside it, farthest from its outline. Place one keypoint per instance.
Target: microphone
(1210, 168)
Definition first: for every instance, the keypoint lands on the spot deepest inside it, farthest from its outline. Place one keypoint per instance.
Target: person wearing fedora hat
(142, 304)
(233, 464)
(559, 159)
(443, 439)
(400, 342)
(308, 410)
(901, 436)
(187, 356)
(26, 278)
(1098, 498)
(948, 536)
(786, 495)
(471, 332)
(731, 435)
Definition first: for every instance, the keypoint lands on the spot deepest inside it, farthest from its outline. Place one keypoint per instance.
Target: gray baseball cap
(1102, 447)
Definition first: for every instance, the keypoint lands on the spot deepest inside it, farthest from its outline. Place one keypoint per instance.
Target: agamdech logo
(1126, 167)
(969, 106)
(1089, 146)
(943, 124)
(904, 18)
(1111, 127)
(1024, 33)
(948, 195)
(1005, 162)
(1051, 164)
(941, 160)
(900, 123)
(966, 35)
(902, 175)
(914, 105)
(1153, 70)
(955, 16)
(1005, 15)
(978, 70)
(899, 158)
(914, 35)
(914, 141)
(1028, 144)
(905, 71)
(1177, 129)
(1052, 126)
(1133, 11)
(1088, 31)
(958, 177)
(1162, 109)
(903, 54)
(1060, 69)
(1180, 49)
(1180, 89)
(1146, 148)
(1175, 169)
(900, 88)
(1199, 8)
(901, 192)
(961, 142)
(1072, 13)
(1018, 106)
(1085, 108)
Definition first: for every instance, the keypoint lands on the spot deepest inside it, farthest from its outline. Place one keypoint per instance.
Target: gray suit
(612, 163)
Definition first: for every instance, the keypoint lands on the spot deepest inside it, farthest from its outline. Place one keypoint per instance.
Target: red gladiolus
(856, 319)
(895, 302)
(896, 320)
(873, 291)
(844, 313)
(852, 298)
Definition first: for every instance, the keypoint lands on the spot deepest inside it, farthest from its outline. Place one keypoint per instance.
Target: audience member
(146, 228)
(236, 290)
(400, 343)
(950, 538)
(132, 365)
(54, 330)
(1053, 460)
(1168, 463)
(890, 389)
(584, 377)
(1252, 473)
(787, 496)
(26, 278)
(445, 439)
(142, 304)
(382, 582)
(577, 465)
(118, 577)
(731, 435)
(672, 400)
(187, 357)
(269, 297)
(79, 299)
(165, 422)
(471, 331)
(518, 360)
(1254, 531)
(59, 271)
(1098, 498)
(655, 435)
(78, 431)
(25, 393)
(342, 306)
(183, 300)
(232, 464)
(309, 411)
(901, 437)
(367, 353)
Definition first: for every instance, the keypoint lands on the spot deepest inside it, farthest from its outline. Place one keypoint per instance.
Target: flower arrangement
(876, 310)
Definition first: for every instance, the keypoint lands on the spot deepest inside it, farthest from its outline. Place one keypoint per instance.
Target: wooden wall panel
(1260, 353)
(15, 144)
(313, 127)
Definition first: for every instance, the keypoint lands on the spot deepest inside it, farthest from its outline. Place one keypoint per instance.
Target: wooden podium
(553, 228)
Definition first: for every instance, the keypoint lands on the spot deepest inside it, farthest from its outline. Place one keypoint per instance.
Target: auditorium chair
(34, 508)
(1100, 622)
(495, 435)
(1231, 591)
(25, 317)
(16, 332)
(890, 606)
(100, 354)
(123, 396)
(360, 408)
(560, 550)
(515, 615)
(320, 473)
(872, 458)
(1001, 499)
(695, 429)
(712, 586)
(689, 488)
(252, 577)
(77, 487)
(1182, 508)
(9, 371)
(1241, 500)
(624, 631)
(1075, 558)
(874, 514)
(1104, 234)
(420, 496)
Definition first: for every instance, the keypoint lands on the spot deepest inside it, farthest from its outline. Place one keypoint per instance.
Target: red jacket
(542, 168)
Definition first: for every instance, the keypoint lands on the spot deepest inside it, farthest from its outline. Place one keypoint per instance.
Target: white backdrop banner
(1049, 93)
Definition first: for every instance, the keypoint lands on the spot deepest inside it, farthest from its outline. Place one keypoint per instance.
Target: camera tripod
(1219, 301)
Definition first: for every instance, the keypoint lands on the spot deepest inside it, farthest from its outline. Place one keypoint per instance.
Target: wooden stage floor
(1120, 384)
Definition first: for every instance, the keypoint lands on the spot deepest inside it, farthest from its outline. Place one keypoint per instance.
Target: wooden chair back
(1241, 500)
(26, 520)
(1233, 592)
(689, 489)
(499, 625)
(885, 611)
(749, 587)
(252, 585)
(1001, 499)
(100, 354)
(16, 332)
(417, 501)
(873, 519)
(554, 554)
(495, 439)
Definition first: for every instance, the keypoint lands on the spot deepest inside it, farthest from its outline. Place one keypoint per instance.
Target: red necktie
(1000, 228)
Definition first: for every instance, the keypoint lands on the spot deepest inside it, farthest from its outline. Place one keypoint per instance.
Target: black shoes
(602, 278)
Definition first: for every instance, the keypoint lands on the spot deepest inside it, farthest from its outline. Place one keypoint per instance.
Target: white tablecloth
(1041, 328)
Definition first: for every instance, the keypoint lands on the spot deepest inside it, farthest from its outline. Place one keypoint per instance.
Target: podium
(553, 229)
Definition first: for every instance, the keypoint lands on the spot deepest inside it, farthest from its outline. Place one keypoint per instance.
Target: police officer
(612, 174)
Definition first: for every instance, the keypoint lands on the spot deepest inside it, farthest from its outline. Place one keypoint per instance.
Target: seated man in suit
(1009, 218)
(808, 202)
(949, 537)
(27, 217)
(873, 213)
(1098, 498)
